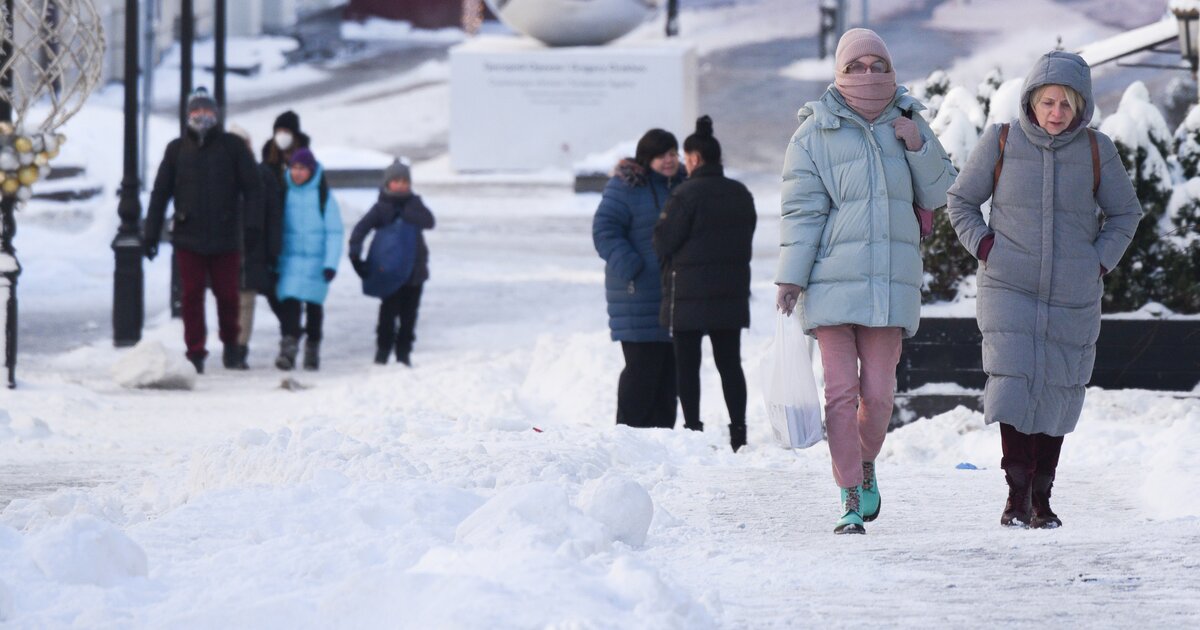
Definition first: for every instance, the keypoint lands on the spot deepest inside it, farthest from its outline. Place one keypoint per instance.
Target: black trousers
(727, 353)
(403, 306)
(289, 319)
(1036, 454)
(646, 389)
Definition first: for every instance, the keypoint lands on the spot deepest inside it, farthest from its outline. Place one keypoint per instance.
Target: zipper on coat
(671, 327)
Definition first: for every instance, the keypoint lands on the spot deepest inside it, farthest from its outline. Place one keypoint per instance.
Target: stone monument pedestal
(516, 105)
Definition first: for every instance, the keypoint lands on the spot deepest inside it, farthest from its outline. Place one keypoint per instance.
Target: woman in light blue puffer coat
(312, 247)
(860, 159)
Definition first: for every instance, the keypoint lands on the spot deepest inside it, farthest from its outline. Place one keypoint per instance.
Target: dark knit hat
(200, 99)
(304, 156)
(398, 170)
(288, 120)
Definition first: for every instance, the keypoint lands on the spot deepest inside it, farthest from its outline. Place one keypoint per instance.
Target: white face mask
(283, 140)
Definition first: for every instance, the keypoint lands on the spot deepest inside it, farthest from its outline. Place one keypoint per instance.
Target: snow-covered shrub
(987, 89)
(1144, 144)
(1181, 250)
(958, 124)
(932, 91)
(1005, 104)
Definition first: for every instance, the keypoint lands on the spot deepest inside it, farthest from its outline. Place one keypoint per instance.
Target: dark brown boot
(1018, 509)
(1043, 516)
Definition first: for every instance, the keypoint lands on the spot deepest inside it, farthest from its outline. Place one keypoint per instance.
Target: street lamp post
(8, 222)
(187, 37)
(1189, 46)
(219, 57)
(50, 60)
(672, 18)
(128, 306)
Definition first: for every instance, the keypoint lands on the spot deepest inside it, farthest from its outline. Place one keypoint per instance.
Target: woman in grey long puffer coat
(1043, 252)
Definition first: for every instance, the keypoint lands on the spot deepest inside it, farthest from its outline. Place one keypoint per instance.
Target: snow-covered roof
(1129, 42)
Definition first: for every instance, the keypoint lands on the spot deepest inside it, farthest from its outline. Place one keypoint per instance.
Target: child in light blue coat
(312, 245)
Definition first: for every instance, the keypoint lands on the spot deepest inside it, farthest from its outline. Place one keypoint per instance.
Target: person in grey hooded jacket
(849, 248)
(1043, 253)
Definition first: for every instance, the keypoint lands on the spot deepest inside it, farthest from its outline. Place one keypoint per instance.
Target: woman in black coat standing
(703, 241)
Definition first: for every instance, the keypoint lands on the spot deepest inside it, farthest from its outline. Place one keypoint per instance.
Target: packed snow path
(387, 497)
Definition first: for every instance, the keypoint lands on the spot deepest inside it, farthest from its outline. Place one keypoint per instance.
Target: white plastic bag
(789, 389)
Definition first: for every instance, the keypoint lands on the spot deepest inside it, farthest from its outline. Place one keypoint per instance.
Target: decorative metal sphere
(574, 22)
(57, 53)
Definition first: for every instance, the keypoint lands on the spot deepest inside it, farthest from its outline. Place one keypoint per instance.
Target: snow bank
(6, 602)
(150, 365)
(86, 550)
(23, 429)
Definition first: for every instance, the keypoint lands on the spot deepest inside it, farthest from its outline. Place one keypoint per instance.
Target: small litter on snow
(292, 385)
(967, 466)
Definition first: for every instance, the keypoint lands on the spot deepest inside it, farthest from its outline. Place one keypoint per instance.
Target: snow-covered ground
(487, 487)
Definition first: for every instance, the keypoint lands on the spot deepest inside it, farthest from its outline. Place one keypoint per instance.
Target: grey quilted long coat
(1040, 289)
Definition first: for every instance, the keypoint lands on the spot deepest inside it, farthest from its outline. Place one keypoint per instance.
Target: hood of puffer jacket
(634, 175)
(1057, 67)
(831, 108)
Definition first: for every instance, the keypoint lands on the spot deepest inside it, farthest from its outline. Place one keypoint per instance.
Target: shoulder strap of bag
(1000, 159)
(1095, 161)
(323, 193)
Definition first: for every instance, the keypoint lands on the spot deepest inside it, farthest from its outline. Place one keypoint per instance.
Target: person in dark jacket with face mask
(285, 139)
(211, 175)
(396, 203)
(703, 241)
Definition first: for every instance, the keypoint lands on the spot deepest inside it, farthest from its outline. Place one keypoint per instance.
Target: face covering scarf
(867, 94)
(201, 123)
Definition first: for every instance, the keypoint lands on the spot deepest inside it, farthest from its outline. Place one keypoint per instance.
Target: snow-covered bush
(1144, 144)
(932, 91)
(987, 90)
(958, 124)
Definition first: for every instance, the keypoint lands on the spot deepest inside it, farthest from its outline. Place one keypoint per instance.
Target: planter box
(1130, 354)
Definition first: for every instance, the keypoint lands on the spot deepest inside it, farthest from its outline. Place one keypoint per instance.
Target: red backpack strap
(1095, 161)
(1000, 159)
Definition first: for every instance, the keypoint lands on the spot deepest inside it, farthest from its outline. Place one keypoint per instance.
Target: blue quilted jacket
(622, 231)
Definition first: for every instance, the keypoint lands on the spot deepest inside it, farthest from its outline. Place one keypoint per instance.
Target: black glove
(360, 267)
(329, 274)
(150, 249)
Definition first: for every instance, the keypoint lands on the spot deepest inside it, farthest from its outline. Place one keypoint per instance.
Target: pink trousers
(858, 399)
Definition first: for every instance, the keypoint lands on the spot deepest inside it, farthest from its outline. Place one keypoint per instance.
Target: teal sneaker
(871, 501)
(851, 521)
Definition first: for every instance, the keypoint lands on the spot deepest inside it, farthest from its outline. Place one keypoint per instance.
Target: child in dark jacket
(396, 203)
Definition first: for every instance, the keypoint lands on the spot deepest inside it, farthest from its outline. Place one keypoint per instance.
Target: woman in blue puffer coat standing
(622, 231)
(312, 246)
(849, 255)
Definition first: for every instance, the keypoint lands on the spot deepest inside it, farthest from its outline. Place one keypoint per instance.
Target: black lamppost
(672, 18)
(8, 222)
(219, 58)
(128, 307)
(187, 37)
